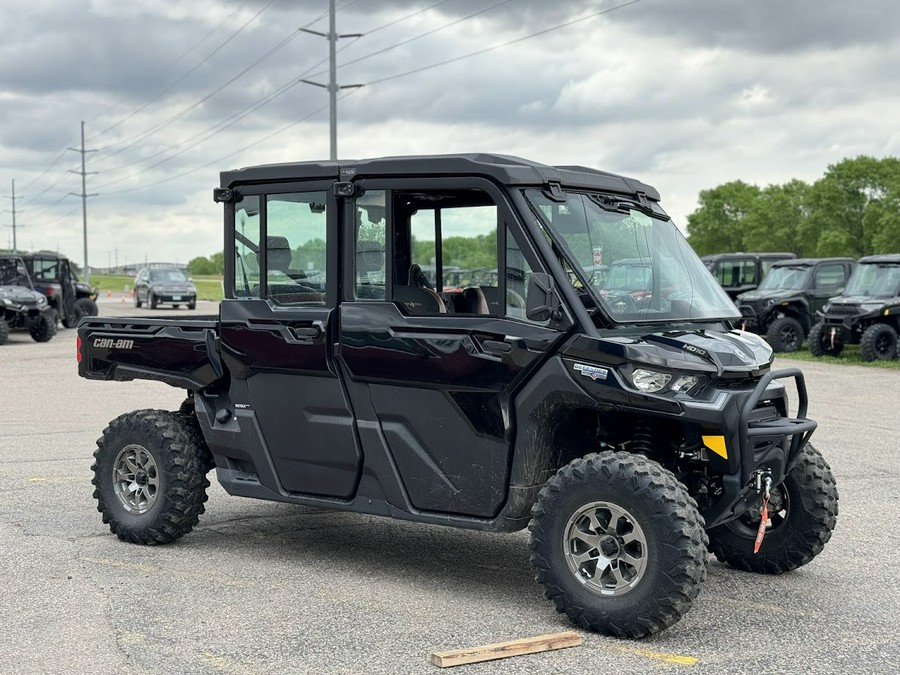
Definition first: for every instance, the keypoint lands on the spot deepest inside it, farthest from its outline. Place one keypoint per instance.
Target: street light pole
(84, 195)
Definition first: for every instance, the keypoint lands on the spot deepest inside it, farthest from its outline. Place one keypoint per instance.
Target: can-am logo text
(110, 343)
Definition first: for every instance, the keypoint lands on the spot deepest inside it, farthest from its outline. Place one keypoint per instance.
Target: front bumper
(760, 440)
(179, 297)
(754, 317)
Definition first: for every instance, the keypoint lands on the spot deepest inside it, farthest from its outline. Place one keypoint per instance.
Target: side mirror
(542, 301)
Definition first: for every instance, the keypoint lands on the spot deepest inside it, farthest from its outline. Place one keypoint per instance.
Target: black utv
(785, 305)
(630, 429)
(867, 314)
(22, 307)
(741, 272)
(52, 275)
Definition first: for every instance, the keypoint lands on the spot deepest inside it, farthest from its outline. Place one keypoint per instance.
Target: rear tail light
(78, 349)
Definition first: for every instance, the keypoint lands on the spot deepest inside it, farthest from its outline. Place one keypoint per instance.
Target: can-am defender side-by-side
(22, 307)
(52, 275)
(631, 430)
(867, 314)
(741, 272)
(785, 305)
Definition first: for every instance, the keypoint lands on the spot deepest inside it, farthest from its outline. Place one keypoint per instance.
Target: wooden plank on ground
(502, 650)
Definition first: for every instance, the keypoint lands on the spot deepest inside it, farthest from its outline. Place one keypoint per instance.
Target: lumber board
(502, 650)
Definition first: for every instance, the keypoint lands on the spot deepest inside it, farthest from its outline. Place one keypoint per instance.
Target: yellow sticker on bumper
(717, 445)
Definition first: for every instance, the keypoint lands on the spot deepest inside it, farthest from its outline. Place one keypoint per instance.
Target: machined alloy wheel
(618, 544)
(605, 548)
(135, 478)
(150, 476)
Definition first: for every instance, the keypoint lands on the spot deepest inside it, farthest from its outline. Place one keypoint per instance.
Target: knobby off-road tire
(150, 477)
(878, 343)
(618, 544)
(4, 331)
(85, 307)
(45, 328)
(802, 514)
(785, 334)
(820, 343)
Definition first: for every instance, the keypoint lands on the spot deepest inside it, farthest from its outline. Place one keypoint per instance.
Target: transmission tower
(332, 86)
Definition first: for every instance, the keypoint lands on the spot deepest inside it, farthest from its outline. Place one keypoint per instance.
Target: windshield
(12, 273)
(636, 266)
(167, 275)
(785, 278)
(878, 281)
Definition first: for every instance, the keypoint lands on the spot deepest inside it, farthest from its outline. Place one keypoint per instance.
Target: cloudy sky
(683, 94)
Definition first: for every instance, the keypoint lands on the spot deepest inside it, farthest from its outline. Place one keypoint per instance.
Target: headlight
(41, 301)
(649, 380)
(685, 383)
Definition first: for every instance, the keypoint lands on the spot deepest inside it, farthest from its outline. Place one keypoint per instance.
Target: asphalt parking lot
(260, 587)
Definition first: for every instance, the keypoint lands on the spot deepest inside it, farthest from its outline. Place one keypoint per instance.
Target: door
(434, 337)
(829, 280)
(277, 337)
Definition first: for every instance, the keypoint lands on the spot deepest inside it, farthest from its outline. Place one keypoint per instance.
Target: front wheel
(151, 300)
(618, 544)
(824, 342)
(45, 327)
(785, 334)
(802, 514)
(878, 343)
(150, 476)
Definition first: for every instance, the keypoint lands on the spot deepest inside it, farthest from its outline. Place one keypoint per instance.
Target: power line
(127, 143)
(505, 44)
(185, 75)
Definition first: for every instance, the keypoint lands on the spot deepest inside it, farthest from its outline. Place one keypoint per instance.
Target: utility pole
(332, 86)
(84, 195)
(13, 198)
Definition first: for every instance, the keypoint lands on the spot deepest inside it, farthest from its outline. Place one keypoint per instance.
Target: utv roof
(502, 168)
(882, 259)
(737, 256)
(806, 262)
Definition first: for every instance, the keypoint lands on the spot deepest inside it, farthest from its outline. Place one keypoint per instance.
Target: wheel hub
(135, 479)
(605, 548)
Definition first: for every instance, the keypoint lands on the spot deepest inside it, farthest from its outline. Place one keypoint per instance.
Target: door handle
(496, 346)
(306, 333)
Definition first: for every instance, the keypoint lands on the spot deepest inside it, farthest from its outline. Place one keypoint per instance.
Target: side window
(518, 272)
(296, 248)
(246, 245)
(445, 253)
(748, 274)
(370, 239)
(830, 276)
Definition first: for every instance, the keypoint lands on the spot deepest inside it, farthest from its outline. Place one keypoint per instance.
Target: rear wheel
(618, 544)
(823, 343)
(45, 327)
(150, 477)
(85, 307)
(785, 334)
(878, 343)
(802, 514)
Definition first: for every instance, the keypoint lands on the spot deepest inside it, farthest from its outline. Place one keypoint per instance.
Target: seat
(418, 297)
(369, 260)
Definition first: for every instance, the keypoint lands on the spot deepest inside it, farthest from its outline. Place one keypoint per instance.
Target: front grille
(842, 310)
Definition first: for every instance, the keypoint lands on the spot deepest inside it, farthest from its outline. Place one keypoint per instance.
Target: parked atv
(21, 307)
(784, 306)
(53, 276)
(867, 314)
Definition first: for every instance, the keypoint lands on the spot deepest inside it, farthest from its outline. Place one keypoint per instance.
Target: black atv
(784, 306)
(867, 314)
(22, 307)
(53, 276)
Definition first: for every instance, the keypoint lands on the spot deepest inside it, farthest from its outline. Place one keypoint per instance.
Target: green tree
(199, 265)
(720, 224)
(778, 220)
(854, 207)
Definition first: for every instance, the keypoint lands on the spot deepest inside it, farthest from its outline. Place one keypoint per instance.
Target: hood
(172, 284)
(714, 351)
(20, 295)
(83, 287)
(862, 300)
(774, 294)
